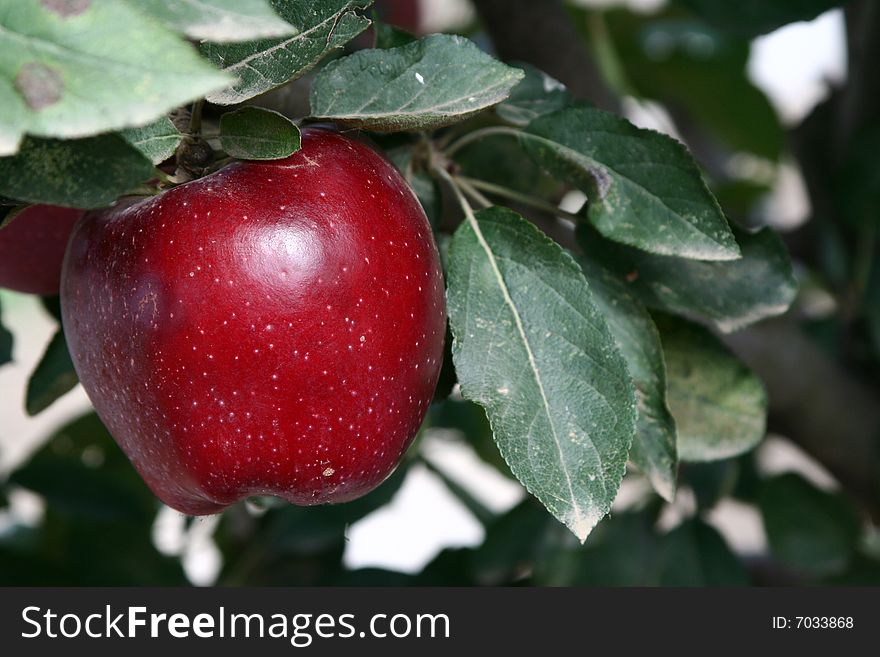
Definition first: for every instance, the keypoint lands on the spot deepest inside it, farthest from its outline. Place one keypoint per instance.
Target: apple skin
(274, 328)
(32, 248)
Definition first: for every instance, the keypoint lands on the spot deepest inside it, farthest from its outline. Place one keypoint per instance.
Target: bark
(817, 404)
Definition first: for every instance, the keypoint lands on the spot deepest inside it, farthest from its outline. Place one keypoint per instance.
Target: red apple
(274, 328)
(32, 248)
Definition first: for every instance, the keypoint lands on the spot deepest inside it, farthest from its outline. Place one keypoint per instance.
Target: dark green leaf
(470, 420)
(699, 71)
(83, 474)
(749, 18)
(268, 63)
(710, 481)
(810, 530)
(23, 566)
(511, 545)
(447, 380)
(373, 577)
(5, 343)
(157, 141)
(862, 571)
(435, 81)
(84, 173)
(537, 94)
(253, 133)
(653, 449)
(623, 551)
(53, 377)
(449, 568)
(857, 188)
(425, 186)
(477, 509)
(644, 188)
(502, 161)
(83, 551)
(532, 349)
(719, 405)
(93, 67)
(391, 36)
(739, 196)
(219, 20)
(732, 295)
(285, 530)
(695, 554)
(52, 305)
(10, 212)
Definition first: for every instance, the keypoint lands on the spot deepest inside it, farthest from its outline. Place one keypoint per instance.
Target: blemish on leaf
(632, 276)
(602, 179)
(66, 8)
(40, 85)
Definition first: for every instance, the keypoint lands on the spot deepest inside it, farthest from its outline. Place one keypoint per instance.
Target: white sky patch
(797, 65)
(405, 535)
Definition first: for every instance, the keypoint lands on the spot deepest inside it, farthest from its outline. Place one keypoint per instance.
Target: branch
(859, 105)
(818, 405)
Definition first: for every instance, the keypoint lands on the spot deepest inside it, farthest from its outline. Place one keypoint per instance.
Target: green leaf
(532, 349)
(285, 534)
(863, 571)
(391, 36)
(73, 69)
(719, 405)
(857, 184)
(512, 543)
(711, 481)
(644, 188)
(265, 64)
(83, 474)
(503, 161)
(701, 71)
(623, 551)
(15, 119)
(10, 212)
(219, 21)
(470, 420)
(82, 173)
(158, 140)
(253, 133)
(5, 343)
(424, 85)
(695, 554)
(537, 94)
(749, 18)
(426, 187)
(653, 449)
(53, 376)
(810, 530)
(731, 295)
(449, 568)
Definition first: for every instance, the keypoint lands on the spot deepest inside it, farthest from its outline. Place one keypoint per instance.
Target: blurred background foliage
(801, 509)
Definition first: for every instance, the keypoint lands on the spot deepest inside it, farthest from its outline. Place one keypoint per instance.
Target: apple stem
(195, 118)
